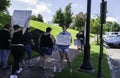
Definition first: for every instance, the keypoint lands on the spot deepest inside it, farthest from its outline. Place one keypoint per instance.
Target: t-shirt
(27, 38)
(17, 38)
(4, 39)
(46, 41)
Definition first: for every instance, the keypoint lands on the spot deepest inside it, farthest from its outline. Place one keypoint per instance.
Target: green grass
(94, 60)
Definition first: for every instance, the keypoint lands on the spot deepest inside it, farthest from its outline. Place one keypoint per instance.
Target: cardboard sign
(77, 42)
(63, 40)
(21, 17)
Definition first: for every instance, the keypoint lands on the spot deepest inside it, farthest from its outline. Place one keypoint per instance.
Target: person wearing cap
(17, 49)
(5, 45)
(46, 43)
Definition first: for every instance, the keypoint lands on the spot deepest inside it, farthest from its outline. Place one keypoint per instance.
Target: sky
(47, 8)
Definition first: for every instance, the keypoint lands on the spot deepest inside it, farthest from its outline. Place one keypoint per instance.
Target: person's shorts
(45, 51)
(63, 48)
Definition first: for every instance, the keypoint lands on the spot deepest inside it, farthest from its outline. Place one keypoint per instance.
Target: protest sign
(21, 17)
(63, 40)
(77, 42)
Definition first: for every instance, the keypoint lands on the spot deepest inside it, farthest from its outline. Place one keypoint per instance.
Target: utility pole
(86, 66)
(103, 20)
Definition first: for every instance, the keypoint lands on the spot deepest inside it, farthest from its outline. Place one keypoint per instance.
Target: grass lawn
(94, 60)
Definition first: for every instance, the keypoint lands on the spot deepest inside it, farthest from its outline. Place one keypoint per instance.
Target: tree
(40, 18)
(108, 26)
(63, 18)
(112, 26)
(116, 27)
(58, 17)
(79, 21)
(95, 27)
(33, 17)
(68, 15)
(4, 4)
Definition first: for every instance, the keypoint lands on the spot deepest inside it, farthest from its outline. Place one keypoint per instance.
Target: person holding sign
(17, 50)
(63, 42)
(80, 38)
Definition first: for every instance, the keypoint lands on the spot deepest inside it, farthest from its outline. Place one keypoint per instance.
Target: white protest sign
(21, 17)
(77, 42)
(63, 40)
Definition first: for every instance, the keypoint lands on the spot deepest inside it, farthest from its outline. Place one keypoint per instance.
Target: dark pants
(28, 49)
(17, 52)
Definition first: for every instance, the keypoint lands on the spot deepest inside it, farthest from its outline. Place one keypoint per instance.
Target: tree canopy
(4, 4)
(63, 18)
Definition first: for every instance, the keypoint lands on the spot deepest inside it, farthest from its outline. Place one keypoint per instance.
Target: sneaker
(18, 71)
(13, 76)
(70, 70)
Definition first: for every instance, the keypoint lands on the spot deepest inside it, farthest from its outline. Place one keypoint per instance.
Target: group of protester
(16, 44)
(21, 41)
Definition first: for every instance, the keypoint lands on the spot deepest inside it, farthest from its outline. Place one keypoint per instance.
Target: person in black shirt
(46, 42)
(17, 49)
(4, 45)
(80, 36)
(28, 42)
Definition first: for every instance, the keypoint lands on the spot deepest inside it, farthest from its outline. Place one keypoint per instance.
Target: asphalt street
(114, 61)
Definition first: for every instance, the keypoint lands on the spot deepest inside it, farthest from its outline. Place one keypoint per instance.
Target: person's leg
(5, 58)
(67, 55)
(15, 65)
(29, 51)
(42, 58)
(61, 59)
(17, 53)
(45, 58)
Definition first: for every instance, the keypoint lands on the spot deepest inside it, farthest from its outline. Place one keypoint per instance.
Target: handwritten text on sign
(63, 40)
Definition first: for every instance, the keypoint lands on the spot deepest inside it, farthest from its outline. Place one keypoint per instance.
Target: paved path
(36, 72)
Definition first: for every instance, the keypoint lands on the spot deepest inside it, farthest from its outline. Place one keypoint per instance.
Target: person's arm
(39, 39)
(53, 39)
(32, 42)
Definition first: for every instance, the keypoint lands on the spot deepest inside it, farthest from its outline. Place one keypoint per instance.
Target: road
(114, 58)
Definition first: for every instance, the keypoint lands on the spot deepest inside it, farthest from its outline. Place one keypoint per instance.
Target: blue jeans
(28, 50)
(4, 54)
